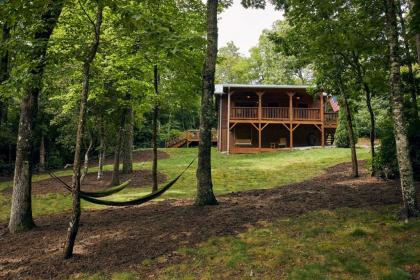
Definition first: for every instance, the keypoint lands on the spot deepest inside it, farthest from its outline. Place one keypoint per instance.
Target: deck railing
(244, 113)
(281, 113)
(275, 113)
(306, 114)
(331, 117)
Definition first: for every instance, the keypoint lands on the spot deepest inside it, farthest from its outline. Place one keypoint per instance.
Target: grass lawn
(231, 173)
(345, 243)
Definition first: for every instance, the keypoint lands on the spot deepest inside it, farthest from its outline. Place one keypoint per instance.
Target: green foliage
(385, 161)
(341, 137)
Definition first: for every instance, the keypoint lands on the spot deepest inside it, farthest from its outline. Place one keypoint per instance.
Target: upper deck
(275, 104)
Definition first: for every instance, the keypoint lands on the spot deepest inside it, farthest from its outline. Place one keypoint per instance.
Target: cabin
(263, 118)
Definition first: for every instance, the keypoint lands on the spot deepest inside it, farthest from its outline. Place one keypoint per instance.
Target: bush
(385, 161)
(341, 137)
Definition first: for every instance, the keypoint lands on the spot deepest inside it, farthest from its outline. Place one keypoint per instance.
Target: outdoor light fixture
(297, 97)
(248, 97)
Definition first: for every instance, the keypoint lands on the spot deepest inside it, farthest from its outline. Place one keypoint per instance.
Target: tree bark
(102, 150)
(155, 130)
(372, 122)
(408, 189)
(117, 153)
(360, 76)
(21, 209)
(205, 195)
(409, 62)
(41, 167)
(349, 123)
(86, 162)
(127, 151)
(74, 223)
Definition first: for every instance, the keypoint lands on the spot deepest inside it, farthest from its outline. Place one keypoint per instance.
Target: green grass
(231, 173)
(345, 243)
(336, 248)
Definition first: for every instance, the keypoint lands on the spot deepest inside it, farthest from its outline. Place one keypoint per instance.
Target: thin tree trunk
(372, 122)
(409, 62)
(42, 155)
(400, 130)
(349, 122)
(102, 149)
(360, 76)
(86, 162)
(205, 195)
(74, 223)
(21, 209)
(128, 143)
(155, 130)
(117, 153)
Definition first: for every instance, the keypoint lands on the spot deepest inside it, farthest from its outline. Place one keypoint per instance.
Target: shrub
(341, 138)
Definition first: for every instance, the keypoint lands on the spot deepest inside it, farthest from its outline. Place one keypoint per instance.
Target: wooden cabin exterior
(258, 118)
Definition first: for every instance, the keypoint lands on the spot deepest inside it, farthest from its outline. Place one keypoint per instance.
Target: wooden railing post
(290, 105)
(322, 120)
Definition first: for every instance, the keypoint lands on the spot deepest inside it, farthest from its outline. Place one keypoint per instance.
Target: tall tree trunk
(117, 153)
(74, 223)
(21, 210)
(127, 152)
(372, 122)
(41, 166)
(364, 85)
(349, 123)
(205, 195)
(86, 162)
(400, 130)
(409, 62)
(102, 150)
(4, 69)
(155, 130)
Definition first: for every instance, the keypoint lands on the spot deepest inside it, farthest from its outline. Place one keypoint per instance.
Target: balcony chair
(243, 142)
(283, 142)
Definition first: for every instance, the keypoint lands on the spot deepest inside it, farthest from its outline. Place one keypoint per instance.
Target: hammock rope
(140, 200)
(103, 193)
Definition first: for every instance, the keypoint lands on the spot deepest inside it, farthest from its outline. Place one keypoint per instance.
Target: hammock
(136, 201)
(102, 193)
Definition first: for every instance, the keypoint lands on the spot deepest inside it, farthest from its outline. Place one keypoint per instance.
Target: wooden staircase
(186, 138)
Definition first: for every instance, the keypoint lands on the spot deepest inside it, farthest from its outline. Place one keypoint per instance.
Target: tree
(400, 126)
(21, 209)
(205, 195)
(90, 56)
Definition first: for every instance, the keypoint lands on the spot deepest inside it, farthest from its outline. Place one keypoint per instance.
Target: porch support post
(259, 136)
(260, 94)
(228, 124)
(291, 136)
(322, 120)
(290, 106)
(291, 118)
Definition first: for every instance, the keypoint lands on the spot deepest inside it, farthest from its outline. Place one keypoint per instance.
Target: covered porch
(266, 137)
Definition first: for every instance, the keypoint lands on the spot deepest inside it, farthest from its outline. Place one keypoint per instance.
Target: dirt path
(120, 238)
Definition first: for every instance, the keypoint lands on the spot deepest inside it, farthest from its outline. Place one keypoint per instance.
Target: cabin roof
(224, 88)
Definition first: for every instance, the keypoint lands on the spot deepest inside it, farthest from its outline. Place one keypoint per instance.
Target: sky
(244, 26)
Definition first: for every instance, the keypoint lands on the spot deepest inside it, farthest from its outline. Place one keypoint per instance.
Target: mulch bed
(116, 239)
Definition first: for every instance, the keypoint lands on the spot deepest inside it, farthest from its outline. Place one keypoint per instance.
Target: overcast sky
(244, 26)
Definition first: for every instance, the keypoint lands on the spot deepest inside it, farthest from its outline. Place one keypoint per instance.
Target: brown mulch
(116, 239)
